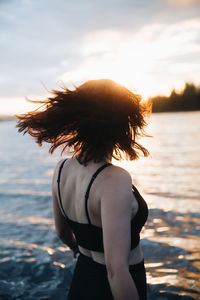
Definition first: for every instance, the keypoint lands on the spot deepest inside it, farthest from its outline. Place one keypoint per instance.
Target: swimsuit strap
(134, 188)
(89, 187)
(59, 194)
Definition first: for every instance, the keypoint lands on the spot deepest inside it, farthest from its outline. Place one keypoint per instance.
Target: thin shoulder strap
(135, 189)
(89, 187)
(59, 194)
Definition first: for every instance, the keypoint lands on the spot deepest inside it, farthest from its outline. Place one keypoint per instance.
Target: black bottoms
(90, 280)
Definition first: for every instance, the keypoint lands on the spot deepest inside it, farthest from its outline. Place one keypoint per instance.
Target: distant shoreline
(174, 111)
(6, 118)
(186, 100)
(11, 118)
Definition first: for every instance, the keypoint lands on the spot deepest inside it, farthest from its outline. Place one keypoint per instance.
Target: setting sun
(123, 58)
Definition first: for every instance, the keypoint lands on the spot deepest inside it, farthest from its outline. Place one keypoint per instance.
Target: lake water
(34, 264)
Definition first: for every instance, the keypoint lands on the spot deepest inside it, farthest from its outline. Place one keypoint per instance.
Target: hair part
(98, 119)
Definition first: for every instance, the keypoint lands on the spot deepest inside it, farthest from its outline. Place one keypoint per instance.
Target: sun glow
(141, 60)
(120, 69)
(129, 65)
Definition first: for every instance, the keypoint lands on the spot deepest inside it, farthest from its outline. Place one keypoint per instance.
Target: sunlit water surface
(34, 264)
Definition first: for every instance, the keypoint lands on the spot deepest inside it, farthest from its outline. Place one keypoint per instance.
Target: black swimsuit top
(90, 236)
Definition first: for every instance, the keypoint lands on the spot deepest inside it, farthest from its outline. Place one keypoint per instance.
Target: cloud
(140, 59)
(184, 3)
(42, 40)
(3, 79)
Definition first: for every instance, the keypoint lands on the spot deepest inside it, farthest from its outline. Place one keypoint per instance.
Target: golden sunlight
(124, 58)
(140, 59)
(125, 70)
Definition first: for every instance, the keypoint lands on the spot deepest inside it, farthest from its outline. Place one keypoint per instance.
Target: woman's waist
(94, 268)
(135, 256)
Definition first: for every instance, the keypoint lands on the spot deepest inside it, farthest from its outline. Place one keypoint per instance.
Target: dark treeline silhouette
(187, 99)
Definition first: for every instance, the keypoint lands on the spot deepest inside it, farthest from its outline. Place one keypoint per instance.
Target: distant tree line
(187, 99)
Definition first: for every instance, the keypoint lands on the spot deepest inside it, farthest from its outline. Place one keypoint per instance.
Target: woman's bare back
(74, 182)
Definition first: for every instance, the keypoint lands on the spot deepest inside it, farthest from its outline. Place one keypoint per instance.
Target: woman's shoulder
(116, 183)
(117, 173)
(116, 192)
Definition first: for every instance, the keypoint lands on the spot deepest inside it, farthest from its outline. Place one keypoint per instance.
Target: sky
(150, 46)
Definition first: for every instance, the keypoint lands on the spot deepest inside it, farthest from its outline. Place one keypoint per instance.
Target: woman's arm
(116, 217)
(62, 228)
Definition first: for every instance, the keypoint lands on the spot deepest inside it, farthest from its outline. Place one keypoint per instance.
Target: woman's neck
(103, 161)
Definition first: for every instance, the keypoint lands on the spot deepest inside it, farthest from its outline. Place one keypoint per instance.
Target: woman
(98, 212)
